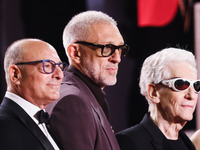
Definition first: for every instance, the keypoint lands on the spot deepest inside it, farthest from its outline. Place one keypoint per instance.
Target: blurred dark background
(46, 19)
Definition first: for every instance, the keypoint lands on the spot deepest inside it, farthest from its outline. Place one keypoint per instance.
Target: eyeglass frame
(170, 83)
(43, 62)
(103, 46)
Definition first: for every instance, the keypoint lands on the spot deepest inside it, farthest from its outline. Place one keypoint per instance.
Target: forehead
(38, 50)
(182, 70)
(105, 33)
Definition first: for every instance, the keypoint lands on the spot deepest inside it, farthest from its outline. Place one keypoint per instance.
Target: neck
(41, 105)
(169, 128)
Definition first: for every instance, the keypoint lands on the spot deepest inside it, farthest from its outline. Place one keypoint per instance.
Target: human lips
(187, 106)
(54, 85)
(112, 69)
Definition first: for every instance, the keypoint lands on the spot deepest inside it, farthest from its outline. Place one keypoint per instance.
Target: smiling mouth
(54, 85)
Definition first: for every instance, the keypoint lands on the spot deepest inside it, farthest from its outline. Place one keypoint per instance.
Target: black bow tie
(43, 117)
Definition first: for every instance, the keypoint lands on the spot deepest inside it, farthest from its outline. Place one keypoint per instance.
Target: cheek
(174, 101)
(40, 83)
(169, 102)
(98, 66)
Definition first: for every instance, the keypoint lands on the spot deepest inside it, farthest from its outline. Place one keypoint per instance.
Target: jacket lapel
(105, 124)
(18, 112)
(157, 135)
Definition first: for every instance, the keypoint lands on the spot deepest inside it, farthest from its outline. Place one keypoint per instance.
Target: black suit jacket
(146, 136)
(77, 120)
(18, 131)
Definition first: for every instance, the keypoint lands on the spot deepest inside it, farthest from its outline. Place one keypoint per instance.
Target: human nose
(115, 57)
(191, 94)
(58, 73)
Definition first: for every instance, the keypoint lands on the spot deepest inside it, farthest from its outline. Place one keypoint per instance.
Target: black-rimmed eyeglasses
(48, 65)
(108, 49)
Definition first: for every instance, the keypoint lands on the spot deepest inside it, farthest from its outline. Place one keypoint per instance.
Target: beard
(98, 74)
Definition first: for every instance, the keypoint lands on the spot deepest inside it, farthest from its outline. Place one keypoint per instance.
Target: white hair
(78, 28)
(155, 67)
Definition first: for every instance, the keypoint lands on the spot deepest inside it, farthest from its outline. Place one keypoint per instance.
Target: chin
(111, 82)
(55, 96)
(188, 118)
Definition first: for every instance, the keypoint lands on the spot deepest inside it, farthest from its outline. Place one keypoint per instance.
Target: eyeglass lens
(182, 85)
(110, 49)
(49, 66)
(197, 86)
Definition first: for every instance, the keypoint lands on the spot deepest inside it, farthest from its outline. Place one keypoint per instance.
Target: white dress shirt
(31, 110)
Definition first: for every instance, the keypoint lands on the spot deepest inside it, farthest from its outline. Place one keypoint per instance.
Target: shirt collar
(28, 107)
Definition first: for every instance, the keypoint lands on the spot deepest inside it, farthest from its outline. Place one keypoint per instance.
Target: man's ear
(15, 74)
(74, 52)
(153, 93)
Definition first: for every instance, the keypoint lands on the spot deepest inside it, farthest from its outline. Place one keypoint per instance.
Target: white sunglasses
(180, 84)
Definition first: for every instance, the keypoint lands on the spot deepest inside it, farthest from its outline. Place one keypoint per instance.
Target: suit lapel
(105, 124)
(157, 135)
(18, 112)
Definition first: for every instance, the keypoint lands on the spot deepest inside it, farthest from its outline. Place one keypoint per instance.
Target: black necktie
(43, 117)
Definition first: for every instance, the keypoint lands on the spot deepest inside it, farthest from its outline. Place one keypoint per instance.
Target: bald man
(33, 72)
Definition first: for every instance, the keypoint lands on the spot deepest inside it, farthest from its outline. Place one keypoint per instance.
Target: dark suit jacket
(147, 136)
(18, 131)
(78, 120)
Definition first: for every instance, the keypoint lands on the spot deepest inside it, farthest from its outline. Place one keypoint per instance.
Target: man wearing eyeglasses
(169, 82)
(94, 46)
(33, 74)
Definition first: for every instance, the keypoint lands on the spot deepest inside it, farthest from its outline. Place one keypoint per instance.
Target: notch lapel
(105, 124)
(18, 112)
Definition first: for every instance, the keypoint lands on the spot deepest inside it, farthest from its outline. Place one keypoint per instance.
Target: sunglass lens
(197, 86)
(181, 84)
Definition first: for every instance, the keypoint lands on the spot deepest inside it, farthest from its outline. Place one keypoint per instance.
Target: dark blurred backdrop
(46, 19)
